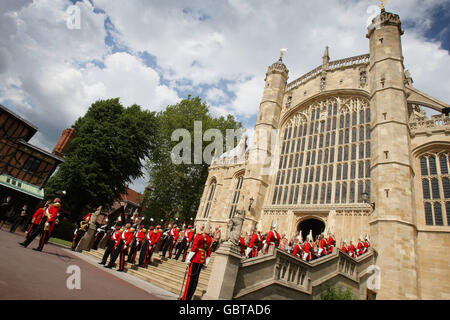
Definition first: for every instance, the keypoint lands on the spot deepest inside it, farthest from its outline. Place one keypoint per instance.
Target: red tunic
(52, 213)
(255, 241)
(175, 233)
(352, 251)
(331, 244)
(360, 248)
(140, 236)
(202, 248)
(297, 251)
(37, 217)
(366, 246)
(344, 249)
(323, 245)
(273, 238)
(242, 242)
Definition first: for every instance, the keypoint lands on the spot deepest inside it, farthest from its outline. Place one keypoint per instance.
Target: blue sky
(155, 53)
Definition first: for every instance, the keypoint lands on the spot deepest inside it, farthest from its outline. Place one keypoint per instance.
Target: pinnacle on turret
(325, 59)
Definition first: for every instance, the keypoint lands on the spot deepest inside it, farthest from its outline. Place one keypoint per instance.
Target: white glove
(124, 247)
(207, 261)
(189, 257)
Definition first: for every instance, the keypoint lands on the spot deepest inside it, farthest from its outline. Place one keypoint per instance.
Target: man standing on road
(49, 219)
(20, 219)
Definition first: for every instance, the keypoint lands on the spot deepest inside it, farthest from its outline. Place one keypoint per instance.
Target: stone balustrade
(439, 121)
(333, 65)
(280, 275)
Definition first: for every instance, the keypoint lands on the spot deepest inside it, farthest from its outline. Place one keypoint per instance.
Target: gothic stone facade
(346, 129)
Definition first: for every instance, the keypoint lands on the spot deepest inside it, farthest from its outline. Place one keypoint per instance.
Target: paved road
(29, 274)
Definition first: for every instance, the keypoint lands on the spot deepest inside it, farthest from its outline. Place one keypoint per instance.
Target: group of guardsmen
(307, 250)
(136, 244)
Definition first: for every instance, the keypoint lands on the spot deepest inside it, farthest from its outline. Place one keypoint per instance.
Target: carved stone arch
(433, 147)
(237, 174)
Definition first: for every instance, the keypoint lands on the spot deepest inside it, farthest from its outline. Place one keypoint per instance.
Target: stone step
(172, 286)
(163, 272)
(170, 274)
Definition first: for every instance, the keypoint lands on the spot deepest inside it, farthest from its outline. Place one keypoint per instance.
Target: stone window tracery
(436, 188)
(236, 194)
(340, 123)
(212, 189)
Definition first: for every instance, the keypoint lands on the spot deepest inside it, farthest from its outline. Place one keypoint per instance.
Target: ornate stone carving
(235, 227)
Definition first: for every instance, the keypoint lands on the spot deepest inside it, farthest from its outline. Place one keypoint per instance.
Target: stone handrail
(333, 65)
(436, 121)
(294, 278)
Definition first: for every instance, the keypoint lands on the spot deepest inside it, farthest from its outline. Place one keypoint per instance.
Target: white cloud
(50, 74)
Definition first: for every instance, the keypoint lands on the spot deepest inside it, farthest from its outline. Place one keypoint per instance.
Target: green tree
(333, 293)
(177, 188)
(107, 153)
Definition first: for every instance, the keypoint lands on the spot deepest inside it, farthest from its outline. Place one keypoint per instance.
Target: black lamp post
(251, 202)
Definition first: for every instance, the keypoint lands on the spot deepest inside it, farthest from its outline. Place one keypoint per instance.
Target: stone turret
(260, 160)
(392, 190)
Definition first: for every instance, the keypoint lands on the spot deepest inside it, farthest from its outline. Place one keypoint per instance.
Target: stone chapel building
(354, 153)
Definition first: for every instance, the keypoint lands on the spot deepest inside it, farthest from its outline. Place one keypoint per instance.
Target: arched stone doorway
(315, 225)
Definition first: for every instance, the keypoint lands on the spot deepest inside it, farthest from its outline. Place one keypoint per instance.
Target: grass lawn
(60, 241)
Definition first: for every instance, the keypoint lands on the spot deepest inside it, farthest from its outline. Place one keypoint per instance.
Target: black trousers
(97, 239)
(80, 234)
(115, 254)
(35, 232)
(17, 222)
(143, 253)
(181, 246)
(167, 245)
(133, 251)
(192, 280)
(108, 251)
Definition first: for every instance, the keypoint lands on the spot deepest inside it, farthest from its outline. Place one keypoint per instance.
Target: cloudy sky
(155, 52)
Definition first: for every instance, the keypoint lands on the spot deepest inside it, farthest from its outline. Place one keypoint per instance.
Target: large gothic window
(434, 169)
(236, 194)
(212, 189)
(331, 160)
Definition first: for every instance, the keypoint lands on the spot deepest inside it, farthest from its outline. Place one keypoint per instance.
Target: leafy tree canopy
(177, 188)
(107, 153)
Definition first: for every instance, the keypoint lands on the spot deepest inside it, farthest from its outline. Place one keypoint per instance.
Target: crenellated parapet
(385, 19)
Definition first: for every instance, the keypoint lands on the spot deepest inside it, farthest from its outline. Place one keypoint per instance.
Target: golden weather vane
(383, 3)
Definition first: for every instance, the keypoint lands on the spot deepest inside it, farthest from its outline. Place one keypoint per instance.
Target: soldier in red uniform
(109, 251)
(190, 238)
(36, 219)
(352, 249)
(127, 237)
(308, 248)
(171, 240)
(273, 239)
(79, 232)
(331, 243)
(359, 247)
(322, 246)
(242, 242)
(47, 222)
(366, 244)
(344, 248)
(156, 236)
(118, 247)
(136, 245)
(255, 242)
(297, 252)
(198, 257)
(145, 248)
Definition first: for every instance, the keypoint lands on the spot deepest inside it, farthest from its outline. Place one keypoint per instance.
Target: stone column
(224, 272)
